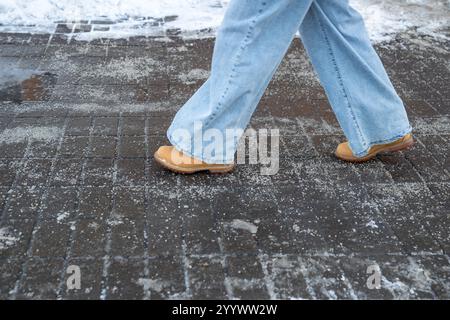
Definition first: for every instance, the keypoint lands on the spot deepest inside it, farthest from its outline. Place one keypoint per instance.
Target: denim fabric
(250, 45)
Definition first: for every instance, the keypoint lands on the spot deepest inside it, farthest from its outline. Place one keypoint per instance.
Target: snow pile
(384, 18)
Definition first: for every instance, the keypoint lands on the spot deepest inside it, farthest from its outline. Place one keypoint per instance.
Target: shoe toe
(343, 150)
(163, 153)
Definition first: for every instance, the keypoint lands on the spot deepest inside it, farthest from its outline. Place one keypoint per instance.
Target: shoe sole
(177, 169)
(395, 148)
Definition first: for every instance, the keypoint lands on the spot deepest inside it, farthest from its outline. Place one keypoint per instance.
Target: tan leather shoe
(344, 152)
(174, 160)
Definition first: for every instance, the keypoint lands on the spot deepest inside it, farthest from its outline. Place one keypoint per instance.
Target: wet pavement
(79, 123)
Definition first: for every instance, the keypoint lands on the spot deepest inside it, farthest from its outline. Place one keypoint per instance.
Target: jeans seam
(340, 80)
(236, 58)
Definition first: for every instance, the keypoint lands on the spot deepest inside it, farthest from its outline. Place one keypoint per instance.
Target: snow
(20, 134)
(62, 216)
(7, 239)
(198, 18)
(244, 225)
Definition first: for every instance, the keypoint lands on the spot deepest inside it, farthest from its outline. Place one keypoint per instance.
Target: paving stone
(373, 172)
(23, 203)
(357, 271)
(99, 172)
(157, 176)
(9, 274)
(34, 172)
(103, 147)
(95, 202)
(237, 238)
(74, 147)
(129, 202)
(298, 147)
(207, 279)
(105, 126)
(201, 231)
(90, 280)
(132, 147)
(78, 126)
(439, 146)
(311, 169)
(250, 175)
(441, 106)
(286, 277)
(246, 277)
(131, 172)
(429, 169)
(399, 168)
(245, 203)
(410, 229)
(154, 142)
(39, 272)
(158, 125)
(51, 238)
(422, 109)
(3, 196)
(15, 238)
(13, 150)
(127, 236)
(404, 278)
(95, 197)
(340, 172)
(67, 172)
(89, 239)
(164, 223)
(42, 149)
(7, 172)
(60, 204)
(165, 278)
(133, 126)
(325, 279)
(127, 223)
(436, 271)
(124, 279)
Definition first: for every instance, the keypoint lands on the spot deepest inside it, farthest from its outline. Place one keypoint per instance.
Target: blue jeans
(251, 43)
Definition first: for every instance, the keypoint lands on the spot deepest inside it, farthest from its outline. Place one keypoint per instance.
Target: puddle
(21, 85)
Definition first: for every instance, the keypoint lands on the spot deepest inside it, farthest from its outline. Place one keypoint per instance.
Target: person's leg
(253, 38)
(365, 103)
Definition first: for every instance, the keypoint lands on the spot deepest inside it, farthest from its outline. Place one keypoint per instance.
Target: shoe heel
(404, 146)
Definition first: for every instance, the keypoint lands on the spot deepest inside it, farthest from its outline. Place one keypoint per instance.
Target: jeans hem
(389, 140)
(198, 157)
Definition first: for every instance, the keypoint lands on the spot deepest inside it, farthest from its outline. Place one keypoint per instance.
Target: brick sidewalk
(79, 123)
